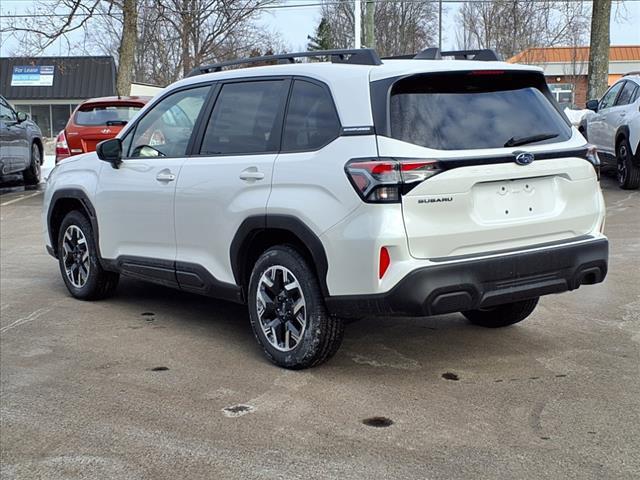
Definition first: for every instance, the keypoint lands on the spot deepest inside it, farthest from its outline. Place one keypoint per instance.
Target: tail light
(62, 148)
(384, 180)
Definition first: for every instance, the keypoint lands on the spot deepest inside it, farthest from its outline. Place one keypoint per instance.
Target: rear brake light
(384, 180)
(486, 72)
(62, 148)
(385, 261)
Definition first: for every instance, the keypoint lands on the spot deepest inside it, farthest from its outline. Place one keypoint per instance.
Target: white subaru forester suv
(325, 191)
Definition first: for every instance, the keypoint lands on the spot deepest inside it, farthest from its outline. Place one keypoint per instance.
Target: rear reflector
(385, 261)
(384, 180)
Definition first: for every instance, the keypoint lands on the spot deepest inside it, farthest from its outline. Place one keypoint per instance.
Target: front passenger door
(135, 202)
(598, 130)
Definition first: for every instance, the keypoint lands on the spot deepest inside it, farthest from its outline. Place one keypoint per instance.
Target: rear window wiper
(516, 141)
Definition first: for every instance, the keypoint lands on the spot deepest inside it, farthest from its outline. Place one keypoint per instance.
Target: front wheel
(33, 172)
(287, 311)
(79, 263)
(628, 170)
(502, 315)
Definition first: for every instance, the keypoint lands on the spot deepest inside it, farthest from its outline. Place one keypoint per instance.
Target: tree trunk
(599, 51)
(127, 49)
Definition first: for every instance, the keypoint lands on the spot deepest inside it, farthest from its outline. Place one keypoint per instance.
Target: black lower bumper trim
(473, 284)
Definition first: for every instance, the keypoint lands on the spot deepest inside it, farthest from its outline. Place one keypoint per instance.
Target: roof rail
(359, 56)
(485, 54)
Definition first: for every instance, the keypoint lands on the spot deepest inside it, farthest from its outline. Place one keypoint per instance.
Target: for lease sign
(32, 76)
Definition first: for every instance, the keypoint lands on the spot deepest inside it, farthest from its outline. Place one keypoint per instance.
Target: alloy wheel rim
(622, 165)
(281, 307)
(76, 256)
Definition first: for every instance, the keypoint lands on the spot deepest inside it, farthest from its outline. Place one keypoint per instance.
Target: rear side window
(471, 110)
(627, 94)
(97, 115)
(312, 120)
(246, 118)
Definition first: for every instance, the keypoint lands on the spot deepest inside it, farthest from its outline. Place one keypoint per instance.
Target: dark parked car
(20, 144)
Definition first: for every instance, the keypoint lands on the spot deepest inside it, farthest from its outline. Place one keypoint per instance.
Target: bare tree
(47, 22)
(400, 27)
(512, 26)
(599, 50)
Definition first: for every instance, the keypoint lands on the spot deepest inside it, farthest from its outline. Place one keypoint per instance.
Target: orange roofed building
(566, 68)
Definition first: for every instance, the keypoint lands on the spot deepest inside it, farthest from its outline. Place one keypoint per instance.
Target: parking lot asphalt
(136, 387)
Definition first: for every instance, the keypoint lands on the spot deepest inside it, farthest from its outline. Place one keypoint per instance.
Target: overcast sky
(294, 24)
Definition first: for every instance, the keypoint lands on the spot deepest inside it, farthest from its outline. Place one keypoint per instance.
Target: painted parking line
(16, 200)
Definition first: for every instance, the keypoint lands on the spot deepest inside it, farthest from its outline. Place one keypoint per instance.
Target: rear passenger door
(228, 177)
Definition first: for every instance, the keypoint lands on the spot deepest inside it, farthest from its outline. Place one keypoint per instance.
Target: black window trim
(326, 88)
(200, 130)
(134, 126)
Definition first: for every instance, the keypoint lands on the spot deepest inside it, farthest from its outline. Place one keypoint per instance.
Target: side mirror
(22, 117)
(110, 151)
(592, 105)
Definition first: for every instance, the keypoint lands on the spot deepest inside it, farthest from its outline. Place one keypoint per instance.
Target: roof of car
(120, 99)
(349, 83)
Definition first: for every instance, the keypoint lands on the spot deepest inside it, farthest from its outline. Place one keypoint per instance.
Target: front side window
(610, 97)
(627, 94)
(311, 121)
(6, 113)
(167, 127)
(246, 118)
(472, 110)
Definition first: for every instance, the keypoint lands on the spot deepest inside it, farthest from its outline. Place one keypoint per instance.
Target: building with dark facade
(49, 88)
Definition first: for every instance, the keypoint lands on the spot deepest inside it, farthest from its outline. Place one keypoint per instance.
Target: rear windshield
(470, 110)
(105, 115)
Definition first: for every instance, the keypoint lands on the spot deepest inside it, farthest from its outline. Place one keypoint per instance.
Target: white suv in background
(322, 191)
(614, 129)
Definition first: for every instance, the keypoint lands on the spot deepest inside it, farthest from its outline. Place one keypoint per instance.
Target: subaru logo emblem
(524, 158)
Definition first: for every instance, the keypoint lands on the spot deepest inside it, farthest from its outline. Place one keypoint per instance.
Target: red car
(96, 120)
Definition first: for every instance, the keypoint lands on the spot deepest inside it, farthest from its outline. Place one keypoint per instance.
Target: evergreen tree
(322, 40)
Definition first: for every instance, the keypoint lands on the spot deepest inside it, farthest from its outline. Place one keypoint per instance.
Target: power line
(290, 6)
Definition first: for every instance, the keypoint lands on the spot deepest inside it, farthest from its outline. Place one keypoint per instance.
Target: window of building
(312, 120)
(41, 115)
(246, 118)
(59, 117)
(563, 93)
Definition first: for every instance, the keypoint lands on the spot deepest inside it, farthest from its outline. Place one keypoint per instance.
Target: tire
(32, 175)
(96, 283)
(319, 336)
(502, 315)
(628, 171)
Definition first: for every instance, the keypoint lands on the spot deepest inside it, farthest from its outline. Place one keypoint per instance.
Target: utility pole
(599, 49)
(440, 25)
(356, 21)
(369, 32)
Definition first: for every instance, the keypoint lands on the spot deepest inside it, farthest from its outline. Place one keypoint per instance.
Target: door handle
(251, 174)
(165, 176)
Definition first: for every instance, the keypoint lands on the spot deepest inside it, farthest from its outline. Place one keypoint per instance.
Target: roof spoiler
(486, 54)
(360, 56)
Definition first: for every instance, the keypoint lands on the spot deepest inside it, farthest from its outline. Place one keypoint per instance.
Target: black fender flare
(89, 210)
(260, 223)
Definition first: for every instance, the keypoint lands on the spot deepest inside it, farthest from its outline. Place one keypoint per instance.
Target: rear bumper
(472, 284)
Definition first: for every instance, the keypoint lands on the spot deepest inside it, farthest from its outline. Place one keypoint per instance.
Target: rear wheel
(287, 311)
(79, 264)
(502, 315)
(32, 173)
(628, 170)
